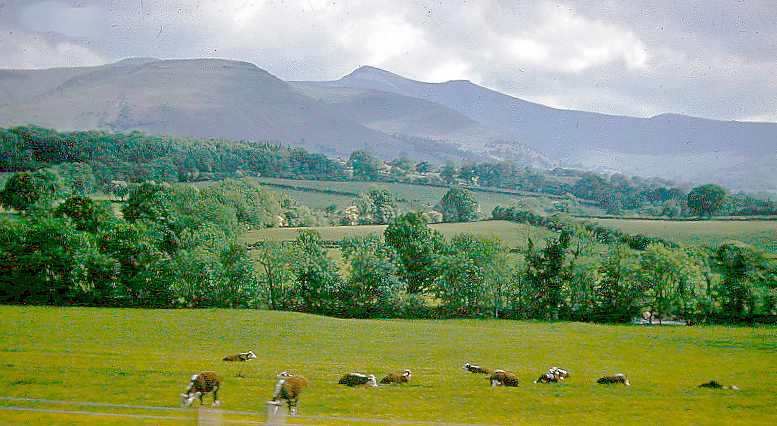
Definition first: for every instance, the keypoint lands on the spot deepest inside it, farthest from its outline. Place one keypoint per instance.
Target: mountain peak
(366, 74)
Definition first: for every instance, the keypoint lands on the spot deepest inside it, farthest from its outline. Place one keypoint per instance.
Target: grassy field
(145, 357)
(759, 233)
(412, 197)
(762, 234)
(513, 234)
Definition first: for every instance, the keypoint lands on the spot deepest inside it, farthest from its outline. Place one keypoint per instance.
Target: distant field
(513, 234)
(759, 233)
(145, 357)
(413, 197)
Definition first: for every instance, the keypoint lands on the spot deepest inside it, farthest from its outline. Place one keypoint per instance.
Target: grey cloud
(712, 59)
(76, 22)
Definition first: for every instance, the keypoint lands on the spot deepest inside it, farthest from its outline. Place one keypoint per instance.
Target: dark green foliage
(275, 273)
(316, 273)
(616, 296)
(151, 205)
(77, 177)
(136, 157)
(418, 248)
(706, 199)
(749, 278)
(48, 261)
(745, 205)
(547, 272)
(603, 234)
(87, 214)
(384, 209)
(596, 188)
(425, 167)
(365, 165)
(25, 189)
(473, 276)
(148, 202)
(459, 205)
(402, 163)
(141, 278)
(449, 173)
(373, 288)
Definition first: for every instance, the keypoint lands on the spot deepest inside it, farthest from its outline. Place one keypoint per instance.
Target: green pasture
(411, 197)
(513, 234)
(145, 357)
(758, 233)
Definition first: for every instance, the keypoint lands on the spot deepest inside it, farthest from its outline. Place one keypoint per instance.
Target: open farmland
(513, 234)
(321, 194)
(758, 233)
(145, 357)
(761, 234)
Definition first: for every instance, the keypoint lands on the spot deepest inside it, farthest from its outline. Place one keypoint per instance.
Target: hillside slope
(208, 97)
(736, 154)
(388, 115)
(237, 100)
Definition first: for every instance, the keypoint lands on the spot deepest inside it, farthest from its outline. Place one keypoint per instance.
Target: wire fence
(205, 416)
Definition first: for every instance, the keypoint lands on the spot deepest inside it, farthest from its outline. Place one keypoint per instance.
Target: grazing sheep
(396, 377)
(356, 379)
(243, 356)
(554, 375)
(288, 389)
(715, 385)
(476, 369)
(202, 384)
(503, 378)
(614, 379)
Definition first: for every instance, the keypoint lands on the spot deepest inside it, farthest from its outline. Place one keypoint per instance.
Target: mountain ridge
(387, 114)
(675, 145)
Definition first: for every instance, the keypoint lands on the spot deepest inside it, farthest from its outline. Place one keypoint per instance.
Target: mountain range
(387, 114)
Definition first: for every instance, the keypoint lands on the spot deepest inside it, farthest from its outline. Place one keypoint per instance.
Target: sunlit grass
(144, 357)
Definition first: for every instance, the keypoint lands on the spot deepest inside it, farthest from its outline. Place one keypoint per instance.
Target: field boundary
(190, 410)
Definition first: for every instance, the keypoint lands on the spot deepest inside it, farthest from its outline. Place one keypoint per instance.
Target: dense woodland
(172, 244)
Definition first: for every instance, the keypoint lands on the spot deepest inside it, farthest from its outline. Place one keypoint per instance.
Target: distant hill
(225, 99)
(387, 114)
(738, 155)
(430, 126)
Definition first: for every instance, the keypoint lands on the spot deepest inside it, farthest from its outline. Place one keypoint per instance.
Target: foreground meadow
(145, 357)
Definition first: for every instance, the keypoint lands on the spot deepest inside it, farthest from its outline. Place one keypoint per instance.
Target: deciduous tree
(459, 205)
(418, 249)
(706, 199)
(25, 189)
(365, 165)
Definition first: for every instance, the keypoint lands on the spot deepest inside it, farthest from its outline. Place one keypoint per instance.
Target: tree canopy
(706, 199)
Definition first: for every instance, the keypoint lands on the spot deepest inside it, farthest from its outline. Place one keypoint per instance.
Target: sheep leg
(216, 401)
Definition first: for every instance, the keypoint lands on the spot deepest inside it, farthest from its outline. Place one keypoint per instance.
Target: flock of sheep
(289, 387)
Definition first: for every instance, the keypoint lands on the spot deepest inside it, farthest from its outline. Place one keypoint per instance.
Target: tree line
(177, 246)
(96, 160)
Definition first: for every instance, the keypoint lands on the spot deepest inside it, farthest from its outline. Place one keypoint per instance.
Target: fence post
(276, 413)
(208, 417)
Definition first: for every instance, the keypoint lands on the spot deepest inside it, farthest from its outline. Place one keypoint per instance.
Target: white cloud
(70, 21)
(381, 40)
(30, 51)
(560, 39)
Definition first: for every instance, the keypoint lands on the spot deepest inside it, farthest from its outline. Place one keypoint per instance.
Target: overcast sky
(714, 59)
